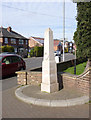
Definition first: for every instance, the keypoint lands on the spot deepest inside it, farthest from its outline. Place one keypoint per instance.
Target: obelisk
(49, 69)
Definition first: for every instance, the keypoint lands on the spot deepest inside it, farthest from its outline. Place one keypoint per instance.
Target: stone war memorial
(49, 70)
(46, 86)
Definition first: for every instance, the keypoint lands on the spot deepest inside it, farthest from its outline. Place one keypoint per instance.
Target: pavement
(32, 94)
(15, 108)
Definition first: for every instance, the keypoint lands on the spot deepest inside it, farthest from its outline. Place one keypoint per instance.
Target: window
(21, 41)
(15, 59)
(15, 50)
(13, 41)
(26, 42)
(70, 44)
(6, 40)
(6, 60)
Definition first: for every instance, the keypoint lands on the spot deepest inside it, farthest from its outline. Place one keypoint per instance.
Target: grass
(79, 69)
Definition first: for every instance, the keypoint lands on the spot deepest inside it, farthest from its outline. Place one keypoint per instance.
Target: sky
(33, 18)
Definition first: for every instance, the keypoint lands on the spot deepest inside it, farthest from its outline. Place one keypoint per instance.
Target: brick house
(36, 41)
(12, 38)
(33, 41)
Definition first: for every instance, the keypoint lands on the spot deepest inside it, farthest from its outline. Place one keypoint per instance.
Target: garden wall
(81, 82)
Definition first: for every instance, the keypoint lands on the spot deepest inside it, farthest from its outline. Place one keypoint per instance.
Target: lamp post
(75, 60)
(63, 27)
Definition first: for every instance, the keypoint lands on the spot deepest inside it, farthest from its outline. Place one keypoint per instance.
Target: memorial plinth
(49, 70)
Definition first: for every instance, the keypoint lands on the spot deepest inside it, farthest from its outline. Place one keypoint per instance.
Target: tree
(82, 35)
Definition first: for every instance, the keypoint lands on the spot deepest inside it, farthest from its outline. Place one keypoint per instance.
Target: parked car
(8, 53)
(10, 63)
(57, 53)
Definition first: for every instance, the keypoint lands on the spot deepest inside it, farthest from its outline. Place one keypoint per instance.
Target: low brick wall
(29, 77)
(68, 80)
(21, 77)
(34, 78)
(81, 82)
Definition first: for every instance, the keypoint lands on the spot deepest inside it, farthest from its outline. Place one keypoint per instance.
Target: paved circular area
(65, 97)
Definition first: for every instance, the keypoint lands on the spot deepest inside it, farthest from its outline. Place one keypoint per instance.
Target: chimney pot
(9, 29)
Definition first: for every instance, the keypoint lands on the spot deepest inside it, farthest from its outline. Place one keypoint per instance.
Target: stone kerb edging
(50, 103)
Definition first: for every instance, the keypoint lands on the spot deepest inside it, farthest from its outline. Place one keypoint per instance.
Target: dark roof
(12, 34)
(60, 44)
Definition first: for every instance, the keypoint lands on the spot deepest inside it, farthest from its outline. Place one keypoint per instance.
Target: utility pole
(63, 27)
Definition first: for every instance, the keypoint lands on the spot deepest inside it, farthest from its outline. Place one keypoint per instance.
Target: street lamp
(75, 59)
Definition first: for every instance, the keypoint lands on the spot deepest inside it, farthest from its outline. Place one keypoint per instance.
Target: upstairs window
(26, 42)
(6, 40)
(21, 41)
(13, 41)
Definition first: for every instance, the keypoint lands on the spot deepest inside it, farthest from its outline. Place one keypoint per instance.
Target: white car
(57, 53)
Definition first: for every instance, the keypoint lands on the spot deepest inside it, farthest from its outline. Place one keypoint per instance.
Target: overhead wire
(32, 12)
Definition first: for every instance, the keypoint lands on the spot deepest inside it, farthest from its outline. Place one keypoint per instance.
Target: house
(57, 44)
(12, 38)
(37, 41)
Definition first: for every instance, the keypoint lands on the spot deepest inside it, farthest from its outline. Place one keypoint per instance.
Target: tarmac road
(11, 81)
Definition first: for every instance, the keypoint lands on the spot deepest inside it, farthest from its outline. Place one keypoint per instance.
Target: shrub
(32, 53)
(7, 48)
(37, 51)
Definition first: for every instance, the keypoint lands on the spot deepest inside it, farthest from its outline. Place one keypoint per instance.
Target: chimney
(9, 29)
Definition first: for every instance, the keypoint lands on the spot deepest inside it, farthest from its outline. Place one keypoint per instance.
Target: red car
(10, 63)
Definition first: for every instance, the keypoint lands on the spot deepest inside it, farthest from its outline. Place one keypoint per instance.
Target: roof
(41, 40)
(56, 42)
(10, 34)
(38, 39)
(60, 44)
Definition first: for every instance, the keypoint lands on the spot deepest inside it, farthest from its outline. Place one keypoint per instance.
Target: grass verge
(79, 69)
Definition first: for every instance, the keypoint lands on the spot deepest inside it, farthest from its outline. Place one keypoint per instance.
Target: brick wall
(34, 78)
(1, 40)
(68, 80)
(21, 77)
(33, 43)
(29, 77)
(81, 82)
